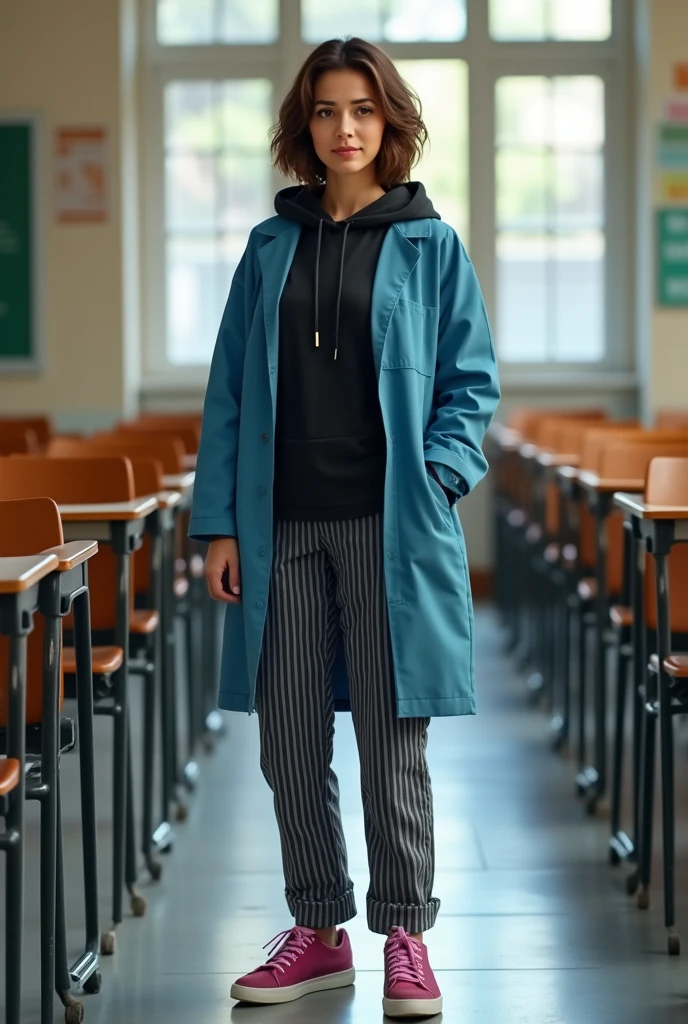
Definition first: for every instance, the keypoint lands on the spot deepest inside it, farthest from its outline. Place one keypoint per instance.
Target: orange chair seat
(144, 621)
(675, 665)
(587, 588)
(104, 660)
(9, 775)
(621, 615)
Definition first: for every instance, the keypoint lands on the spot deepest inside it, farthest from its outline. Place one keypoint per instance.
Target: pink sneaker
(410, 986)
(299, 963)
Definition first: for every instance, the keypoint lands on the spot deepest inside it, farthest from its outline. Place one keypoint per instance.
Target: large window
(550, 219)
(524, 159)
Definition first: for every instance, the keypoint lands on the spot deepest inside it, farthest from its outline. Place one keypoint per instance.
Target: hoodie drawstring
(317, 283)
(339, 288)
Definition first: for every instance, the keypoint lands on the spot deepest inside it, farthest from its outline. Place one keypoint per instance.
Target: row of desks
(120, 525)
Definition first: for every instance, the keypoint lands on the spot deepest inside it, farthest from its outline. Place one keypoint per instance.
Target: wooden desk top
(556, 460)
(178, 481)
(115, 511)
(168, 499)
(635, 504)
(528, 450)
(607, 485)
(73, 553)
(505, 437)
(21, 573)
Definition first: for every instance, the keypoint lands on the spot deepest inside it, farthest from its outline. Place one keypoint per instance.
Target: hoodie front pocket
(411, 342)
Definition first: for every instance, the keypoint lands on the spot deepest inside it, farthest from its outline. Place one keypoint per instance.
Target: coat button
(264, 437)
(261, 551)
(454, 479)
(259, 604)
(261, 490)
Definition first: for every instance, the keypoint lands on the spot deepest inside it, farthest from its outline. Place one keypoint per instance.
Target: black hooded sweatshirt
(330, 448)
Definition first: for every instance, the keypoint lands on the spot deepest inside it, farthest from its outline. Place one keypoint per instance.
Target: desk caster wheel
(154, 869)
(632, 882)
(93, 983)
(74, 1013)
(673, 944)
(138, 905)
(108, 943)
(642, 899)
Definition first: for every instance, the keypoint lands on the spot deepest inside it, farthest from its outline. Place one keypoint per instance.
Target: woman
(351, 385)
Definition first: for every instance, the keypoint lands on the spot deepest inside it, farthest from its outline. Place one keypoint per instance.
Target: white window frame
(487, 60)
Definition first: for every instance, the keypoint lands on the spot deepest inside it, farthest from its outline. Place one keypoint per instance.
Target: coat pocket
(439, 497)
(411, 342)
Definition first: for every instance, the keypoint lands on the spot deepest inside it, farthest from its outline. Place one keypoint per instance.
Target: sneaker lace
(404, 960)
(287, 947)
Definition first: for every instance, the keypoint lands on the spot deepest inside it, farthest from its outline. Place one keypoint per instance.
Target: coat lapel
(275, 259)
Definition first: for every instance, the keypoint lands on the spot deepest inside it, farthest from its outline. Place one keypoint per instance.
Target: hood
(408, 201)
(403, 202)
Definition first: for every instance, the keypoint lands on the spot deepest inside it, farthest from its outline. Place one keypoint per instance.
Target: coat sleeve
(466, 382)
(213, 512)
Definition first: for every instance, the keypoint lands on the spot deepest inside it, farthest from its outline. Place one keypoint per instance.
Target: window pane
(199, 22)
(578, 297)
(522, 297)
(218, 186)
(550, 218)
(522, 190)
(377, 20)
(442, 86)
(550, 19)
(578, 187)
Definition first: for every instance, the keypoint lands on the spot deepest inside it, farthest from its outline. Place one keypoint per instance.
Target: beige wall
(663, 333)
(63, 60)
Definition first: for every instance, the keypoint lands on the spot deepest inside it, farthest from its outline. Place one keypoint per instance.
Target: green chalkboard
(20, 345)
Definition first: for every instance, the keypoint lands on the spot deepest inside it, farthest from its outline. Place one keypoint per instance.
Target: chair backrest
(526, 419)
(18, 439)
(672, 419)
(551, 432)
(41, 425)
(666, 483)
(148, 479)
(597, 441)
(28, 526)
(188, 433)
(77, 481)
(169, 450)
(629, 458)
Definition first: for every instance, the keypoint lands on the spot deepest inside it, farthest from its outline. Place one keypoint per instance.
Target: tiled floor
(535, 926)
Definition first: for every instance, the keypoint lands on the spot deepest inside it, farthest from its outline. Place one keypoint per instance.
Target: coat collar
(274, 226)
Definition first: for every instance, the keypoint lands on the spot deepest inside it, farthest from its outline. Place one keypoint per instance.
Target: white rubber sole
(246, 994)
(412, 1007)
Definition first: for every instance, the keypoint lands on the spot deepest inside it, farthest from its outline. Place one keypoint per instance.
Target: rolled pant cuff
(325, 913)
(382, 917)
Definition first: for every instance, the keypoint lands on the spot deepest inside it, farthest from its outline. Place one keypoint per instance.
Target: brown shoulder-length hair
(405, 133)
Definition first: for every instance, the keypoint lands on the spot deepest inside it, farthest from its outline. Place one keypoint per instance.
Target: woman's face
(346, 116)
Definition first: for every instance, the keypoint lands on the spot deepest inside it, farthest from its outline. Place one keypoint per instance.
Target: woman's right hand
(221, 560)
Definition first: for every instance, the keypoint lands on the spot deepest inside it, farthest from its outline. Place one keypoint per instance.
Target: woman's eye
(367, 109)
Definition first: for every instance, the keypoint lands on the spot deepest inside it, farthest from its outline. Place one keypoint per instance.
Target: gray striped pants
(327, 576)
